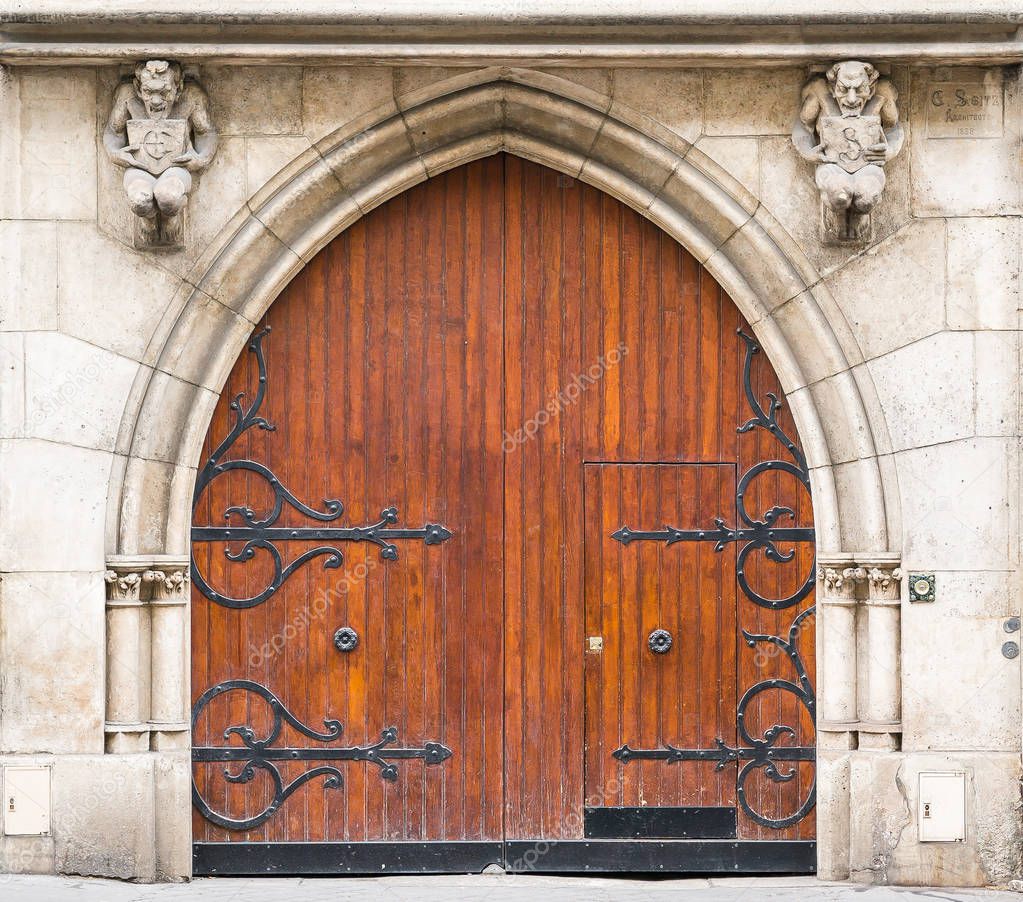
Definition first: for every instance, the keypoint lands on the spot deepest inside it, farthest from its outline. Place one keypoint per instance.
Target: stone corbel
(147, 610)
(160, 135)
(848, 127)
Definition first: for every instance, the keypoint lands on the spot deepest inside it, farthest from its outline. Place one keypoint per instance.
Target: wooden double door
(502, 554)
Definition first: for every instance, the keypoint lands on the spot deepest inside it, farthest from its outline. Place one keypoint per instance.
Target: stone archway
(561, 125)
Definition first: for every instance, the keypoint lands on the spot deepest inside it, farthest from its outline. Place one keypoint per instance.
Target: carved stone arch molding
(557, 123)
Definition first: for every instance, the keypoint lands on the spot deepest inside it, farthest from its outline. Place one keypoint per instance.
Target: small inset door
(660, 653)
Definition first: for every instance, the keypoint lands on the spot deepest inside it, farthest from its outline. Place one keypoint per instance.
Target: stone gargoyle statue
(161, 133)
(848, 125)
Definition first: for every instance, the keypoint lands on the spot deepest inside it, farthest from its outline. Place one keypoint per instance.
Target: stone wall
(926, 315)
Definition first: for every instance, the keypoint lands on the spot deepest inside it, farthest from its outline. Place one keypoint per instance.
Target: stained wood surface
(522, 358)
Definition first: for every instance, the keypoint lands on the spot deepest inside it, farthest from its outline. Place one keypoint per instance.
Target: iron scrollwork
(754, 534)
(758, 753)
(259, 533)
(763, 753)
(259, 754)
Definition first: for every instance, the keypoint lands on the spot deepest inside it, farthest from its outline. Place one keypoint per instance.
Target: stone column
(839, 579)
(882, 718)
(126, 658)
(168, 718)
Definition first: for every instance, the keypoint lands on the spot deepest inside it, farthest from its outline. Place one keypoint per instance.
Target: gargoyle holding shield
(160, 132)
(848, 124)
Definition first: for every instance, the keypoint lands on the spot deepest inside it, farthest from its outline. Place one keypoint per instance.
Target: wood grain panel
(514, 354)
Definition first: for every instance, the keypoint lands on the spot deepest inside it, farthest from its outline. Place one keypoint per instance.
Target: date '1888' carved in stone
(161, 133)
(848, 125)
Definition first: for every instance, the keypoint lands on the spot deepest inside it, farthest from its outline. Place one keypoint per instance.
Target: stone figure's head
(852, 85)
(158, 83)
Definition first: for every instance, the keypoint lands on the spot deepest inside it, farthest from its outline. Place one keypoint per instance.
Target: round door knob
(659, 642)
(345, 639)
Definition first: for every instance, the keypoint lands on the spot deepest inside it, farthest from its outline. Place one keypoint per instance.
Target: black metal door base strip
(660, 822)
(706, 856)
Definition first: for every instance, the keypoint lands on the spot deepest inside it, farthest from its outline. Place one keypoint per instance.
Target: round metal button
(345, 639)
(659, 642)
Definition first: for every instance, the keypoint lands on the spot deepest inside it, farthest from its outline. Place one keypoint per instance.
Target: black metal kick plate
(660, 823)
(692, 856)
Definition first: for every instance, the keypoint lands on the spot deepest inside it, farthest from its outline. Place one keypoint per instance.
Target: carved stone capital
(168, 586)
(147, 579)
(123, 585)
(839, 585)
(883, 583)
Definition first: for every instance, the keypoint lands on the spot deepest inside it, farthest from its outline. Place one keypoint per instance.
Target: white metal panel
(942, 814)
(26, 801)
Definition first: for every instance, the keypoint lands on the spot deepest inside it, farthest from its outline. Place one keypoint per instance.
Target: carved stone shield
(159, 142)
(845, 140)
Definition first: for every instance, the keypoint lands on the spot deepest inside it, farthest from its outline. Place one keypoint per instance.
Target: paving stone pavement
(485, 888)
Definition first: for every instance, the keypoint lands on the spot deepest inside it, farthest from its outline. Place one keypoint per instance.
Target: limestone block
(119, 309)
(219, 195)
(155, 508)
(255, 100)
(266, 156)
(600, 81)
(74, 391)
(965, 176)
(25, 855)
(997, 382)
(51, 641)
(28, 276)
(876, 421)
(841, 393)
(104, 816)
(884, 793)
(832, 814)
(740, 157)
(52, 503)
(48, 153)
(173, 773)
(12, 385)
(905, 277)
(980, 708)
(413, 80)
(334, 95)
(180, 402)
(672, 97)
(956, 505)
(983, 290)
(752, 101)
(926, 390)
(861, 503)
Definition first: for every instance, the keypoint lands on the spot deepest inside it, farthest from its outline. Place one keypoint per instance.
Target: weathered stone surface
(983, 290)
(957, 505)
(906, 276)
(961, 176)
(53, 501)
(69, 639)
(672, 97)
(74, 391)
(936, 404)
(48, 148)
(751, 101)
(334, 95)
(250, 100)
(28, 277)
